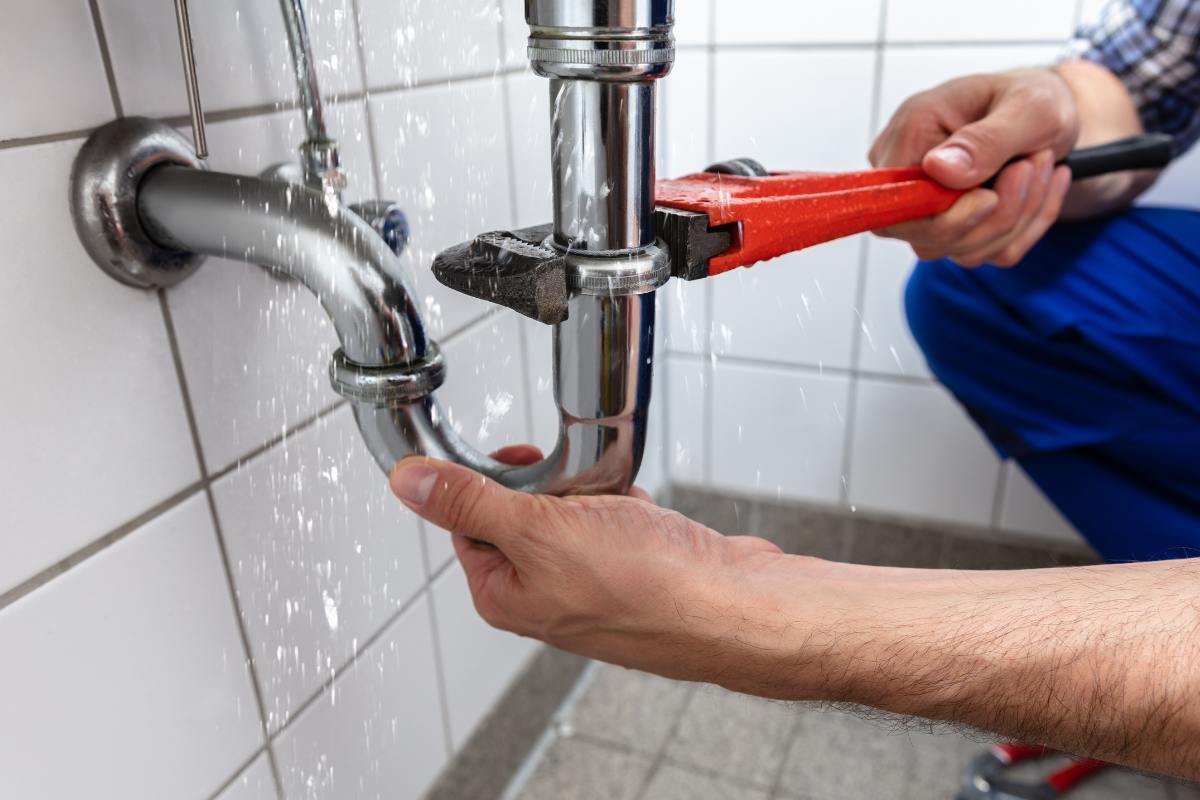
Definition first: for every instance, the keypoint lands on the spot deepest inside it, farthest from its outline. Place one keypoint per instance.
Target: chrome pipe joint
(148, 212)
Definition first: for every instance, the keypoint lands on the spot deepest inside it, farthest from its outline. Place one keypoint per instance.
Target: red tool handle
(1073, 773)
(770, 215)
(781, 213)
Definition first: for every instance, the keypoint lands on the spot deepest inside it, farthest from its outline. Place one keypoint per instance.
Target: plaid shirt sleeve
(1151, 45)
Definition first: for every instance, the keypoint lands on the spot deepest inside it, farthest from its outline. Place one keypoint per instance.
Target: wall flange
(104, 194)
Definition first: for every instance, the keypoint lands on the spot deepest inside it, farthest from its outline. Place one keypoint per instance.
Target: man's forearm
(1106, 113)
(1096, 661)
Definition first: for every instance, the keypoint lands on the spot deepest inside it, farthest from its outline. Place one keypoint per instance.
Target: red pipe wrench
(736, 214)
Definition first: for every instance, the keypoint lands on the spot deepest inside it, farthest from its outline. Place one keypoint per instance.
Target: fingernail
(414, 484)
(983, 212)
(954, 156)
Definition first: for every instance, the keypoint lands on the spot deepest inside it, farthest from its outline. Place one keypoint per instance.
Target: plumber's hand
(614, 578)
(962, 133)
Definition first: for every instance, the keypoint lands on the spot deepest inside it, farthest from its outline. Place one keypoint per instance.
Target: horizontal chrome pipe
(296, 231)
(602, 352)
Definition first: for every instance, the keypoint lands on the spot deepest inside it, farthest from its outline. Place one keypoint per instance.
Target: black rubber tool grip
(1146, 151)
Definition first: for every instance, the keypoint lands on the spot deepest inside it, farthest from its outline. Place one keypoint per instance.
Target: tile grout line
(97, 545)
(807, 369)
(106, 58)
(262, 449)
(860, 291)
(661, 756)
(709, 299)
(913, 44)
(511, 159)
(372, 144)
(218, 530)
(349, 663)
(440, 669)
(239, 772)
(265, 109)
(516, 784)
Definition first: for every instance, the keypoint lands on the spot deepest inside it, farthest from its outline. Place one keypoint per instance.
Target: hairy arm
(1096, 661)
(1106, 113)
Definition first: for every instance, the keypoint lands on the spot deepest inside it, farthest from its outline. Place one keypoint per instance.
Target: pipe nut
(401, 383)
(636, 272)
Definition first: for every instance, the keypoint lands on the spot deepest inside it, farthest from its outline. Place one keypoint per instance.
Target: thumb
(976, 152)
(461, 501)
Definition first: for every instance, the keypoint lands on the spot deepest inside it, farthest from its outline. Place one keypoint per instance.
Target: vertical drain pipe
(602, 58)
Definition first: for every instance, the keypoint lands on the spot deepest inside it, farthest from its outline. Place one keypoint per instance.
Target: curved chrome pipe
(602, 353)
(299, 232)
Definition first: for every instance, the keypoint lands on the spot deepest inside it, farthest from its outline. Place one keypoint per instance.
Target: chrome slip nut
(402, 383)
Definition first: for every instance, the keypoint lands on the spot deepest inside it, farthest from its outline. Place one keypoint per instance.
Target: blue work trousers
(1083, 364)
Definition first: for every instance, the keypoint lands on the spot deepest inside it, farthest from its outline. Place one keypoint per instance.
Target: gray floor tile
(1183, 791)
(505, 738)
(838, 756)
(804, 531)
(962, 552)
(574, 769)
(1121, 784)
(742, 737)
(719, 512)
(887, 544)
(680, 783)
(630, 708)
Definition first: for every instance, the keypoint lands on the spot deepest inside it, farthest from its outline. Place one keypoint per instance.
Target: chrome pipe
(305, 68)
(296, 231)
(602, 165)
(602, 352)
(602, 372)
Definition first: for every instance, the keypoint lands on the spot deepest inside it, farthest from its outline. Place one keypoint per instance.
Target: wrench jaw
(523, 270)
(515, 269)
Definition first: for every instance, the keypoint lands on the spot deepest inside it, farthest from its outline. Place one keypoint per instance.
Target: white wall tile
(687, 315)
(539, 355)
(652, 474)
(916, 452)
(693, 22)
(778, 432)
(953, 21)
(1089, 10)
(125, 677)
(1024, 508)
(772, 22)
(516, 33)
(687, 390)
(51, 76)
(885, 344)
(444, 158)
(256, 350)
(377, 732)
(95, 412)
(255, 782)
(797, 309)
(792, 121)
(685, 110)
(1177, 185)
(484, 398)
(478, 661)
(908, 70)
(407, 43)
(529, 113)
(322, 554)
(242, 56)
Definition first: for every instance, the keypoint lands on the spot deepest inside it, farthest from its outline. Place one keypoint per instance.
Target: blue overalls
(1083, 364)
